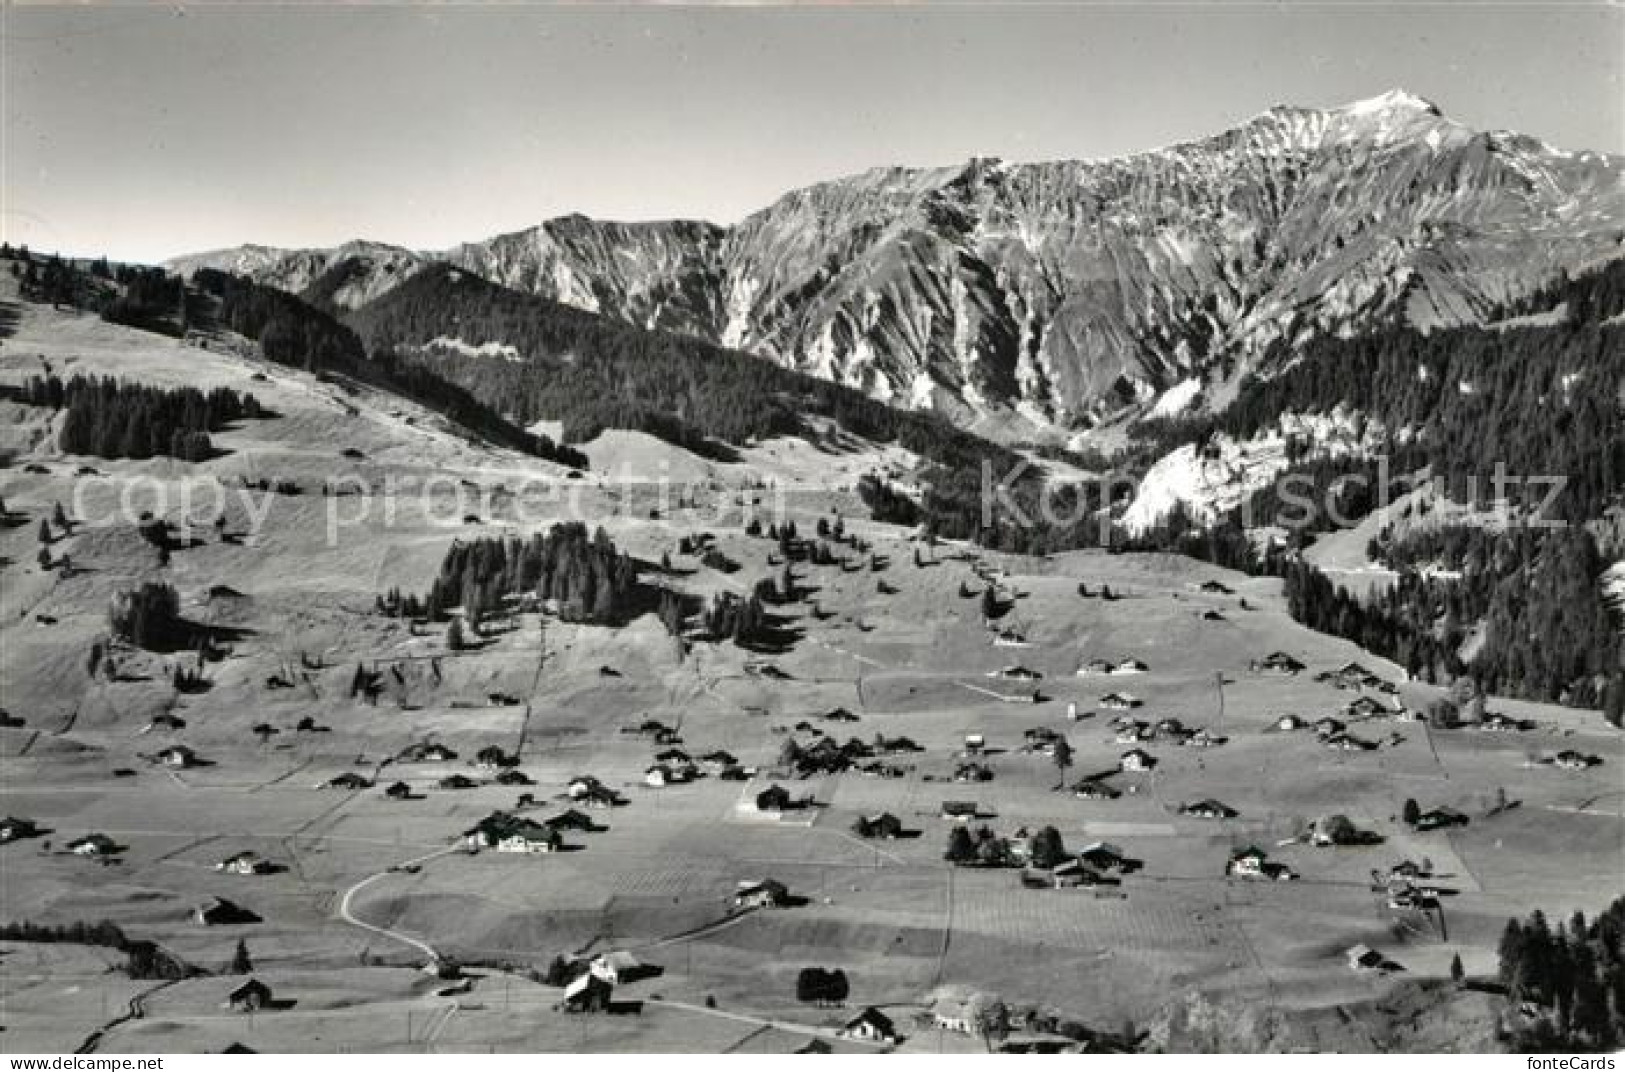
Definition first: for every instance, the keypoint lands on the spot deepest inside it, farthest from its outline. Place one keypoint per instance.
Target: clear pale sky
(154, 130)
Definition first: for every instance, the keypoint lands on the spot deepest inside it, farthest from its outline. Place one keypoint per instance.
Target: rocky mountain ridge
(1035, 299)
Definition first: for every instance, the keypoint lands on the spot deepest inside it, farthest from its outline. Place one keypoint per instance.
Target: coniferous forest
(293, 332)
(582, 571)
(111, 419)
(1568, 981)
(593, 373)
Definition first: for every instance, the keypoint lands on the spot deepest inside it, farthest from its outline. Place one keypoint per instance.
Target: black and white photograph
(851, 528)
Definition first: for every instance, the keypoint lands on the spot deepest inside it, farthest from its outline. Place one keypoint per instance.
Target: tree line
(130, 294)
(1573, 975)
(144, 959)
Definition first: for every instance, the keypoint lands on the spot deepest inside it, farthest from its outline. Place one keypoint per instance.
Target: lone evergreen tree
(1062, 757)
(990, 602)
(1047, 848)
(241, 964)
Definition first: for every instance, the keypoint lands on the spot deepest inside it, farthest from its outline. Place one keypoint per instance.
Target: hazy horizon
(146, 132)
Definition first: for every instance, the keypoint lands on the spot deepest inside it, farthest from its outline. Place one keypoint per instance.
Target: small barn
(250, 997)
(761, 893)
(1136, 759)
(870, 1025)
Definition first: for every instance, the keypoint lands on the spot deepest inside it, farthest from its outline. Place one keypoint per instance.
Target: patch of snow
(484, 349)
(1216, 480)
(1549, 318)
(1394, 99)
(921, 391)
(1177, 399)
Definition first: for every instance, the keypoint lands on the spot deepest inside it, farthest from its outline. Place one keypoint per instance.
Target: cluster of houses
(1099, 863)
(827, 756)
(1355, 677)
(506, 832)
(1333, 733)
(1094, 865)
(1171, 730)
(1403, 887)
(1103, 668)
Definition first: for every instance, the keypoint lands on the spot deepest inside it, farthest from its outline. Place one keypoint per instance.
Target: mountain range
(1034, 300)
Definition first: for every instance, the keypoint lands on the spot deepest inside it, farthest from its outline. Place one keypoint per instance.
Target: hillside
(362, 888)
(540, 360)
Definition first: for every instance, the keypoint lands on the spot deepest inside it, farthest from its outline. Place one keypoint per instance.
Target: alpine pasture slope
(365, 884)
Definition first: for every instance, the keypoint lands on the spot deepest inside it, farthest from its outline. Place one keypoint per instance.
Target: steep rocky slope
(1058, 293)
